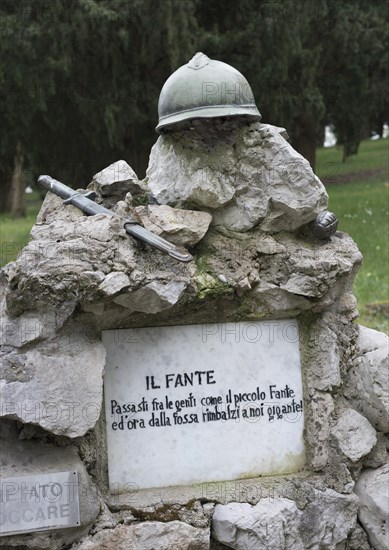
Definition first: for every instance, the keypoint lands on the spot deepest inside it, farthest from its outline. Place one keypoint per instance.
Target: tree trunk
(304, 137)
(381, 122)
(18, 188)
(350, 148)
(5, 190)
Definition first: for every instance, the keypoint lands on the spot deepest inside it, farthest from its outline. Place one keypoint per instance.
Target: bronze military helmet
(204, 88)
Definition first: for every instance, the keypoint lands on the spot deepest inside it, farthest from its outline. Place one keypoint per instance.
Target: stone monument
(230, 401)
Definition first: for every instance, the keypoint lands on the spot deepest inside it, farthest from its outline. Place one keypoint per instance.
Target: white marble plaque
(201, 403)
(39, 502)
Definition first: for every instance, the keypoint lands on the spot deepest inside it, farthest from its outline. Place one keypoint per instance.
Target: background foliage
(80, 79)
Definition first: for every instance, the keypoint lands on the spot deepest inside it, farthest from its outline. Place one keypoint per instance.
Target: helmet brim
(215, 111)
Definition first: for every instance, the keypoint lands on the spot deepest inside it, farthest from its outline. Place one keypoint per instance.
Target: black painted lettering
(178, 381)
(150, 383)
(199, 374)
(169, 378)
(188, 379)
(210, 379)
(169, 404)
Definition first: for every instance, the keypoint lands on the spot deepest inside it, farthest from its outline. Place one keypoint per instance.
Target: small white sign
(202, 403)
(39, 503)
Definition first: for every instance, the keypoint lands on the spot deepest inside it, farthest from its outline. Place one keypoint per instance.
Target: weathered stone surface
(354, 435)
(370, 340)
(320, 411)
(184, 227)
(57, 384)
(372, 489)
(367, 384)
(347, 306)
(114, 283)
(269, 525)
(277, 523)
(153, 297)
(186, 509)
(65, 259)
(152, 535)
(31, 326)
(265, 244)
(116, 181)
(247, 174)
(21, 457)
(72, 260)
(328, 519)
(108, 520)
(324, 362)
(318, 270)
(357, 539)
(75, 260)
(379, 455)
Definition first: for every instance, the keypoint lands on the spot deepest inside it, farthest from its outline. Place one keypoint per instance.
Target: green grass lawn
(362, 205)
(370, 162)
(14, 233)
(359, 195)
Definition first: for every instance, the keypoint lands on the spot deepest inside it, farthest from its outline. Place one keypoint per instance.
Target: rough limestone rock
(153, 297)
(367, 384)
(31, 326)
(57, 384)
(152, 535)
(357, 539)
(379, 454)
(373, 490)
(326, 375)
(116, 180)
(328, 519)
(320, 411)
(184, 227)
(28, 458)
(74, 261)
(354, 435)
(276, 523)
(269, 269)
(114, 283)
(269, 525)
(245, 174)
